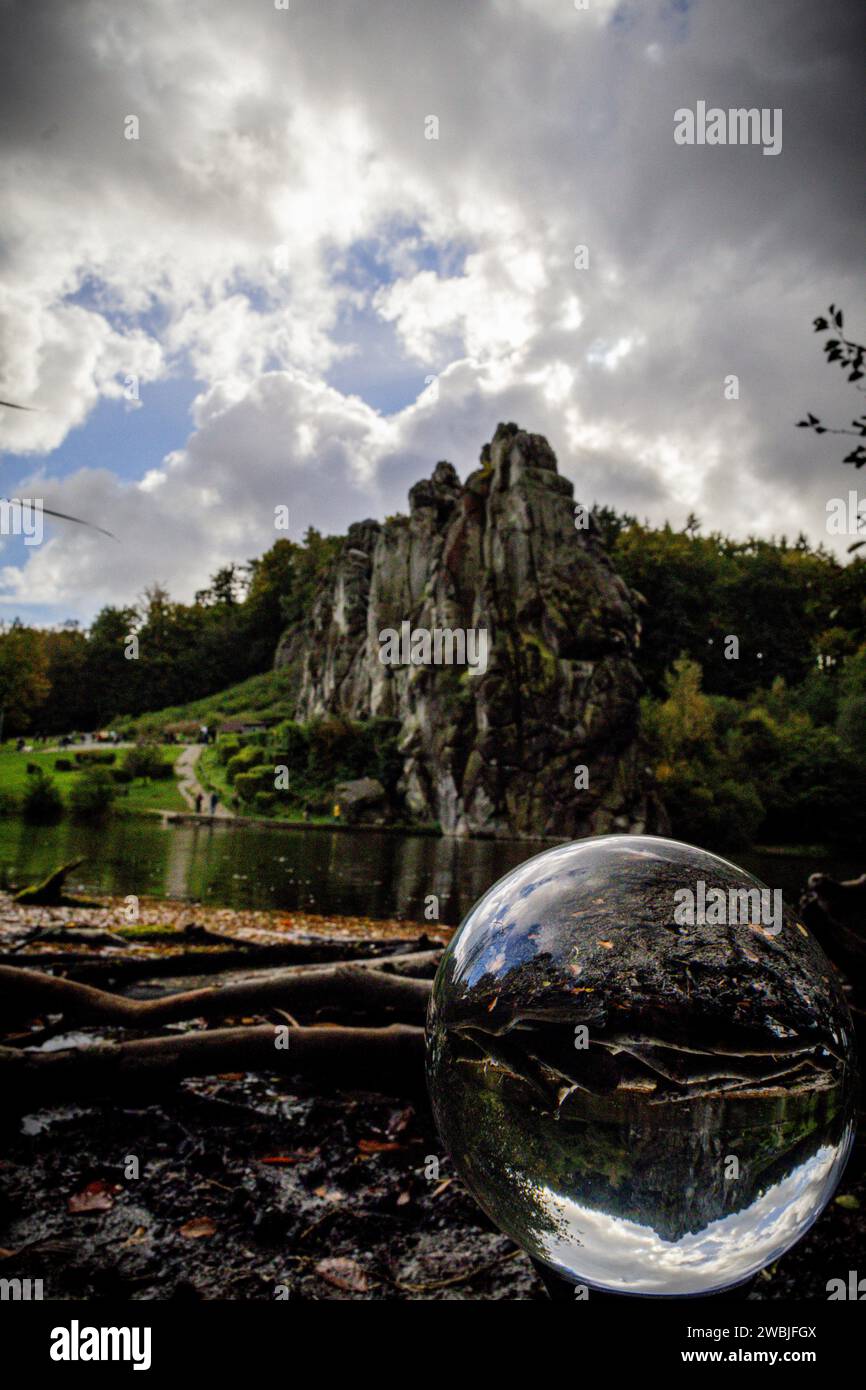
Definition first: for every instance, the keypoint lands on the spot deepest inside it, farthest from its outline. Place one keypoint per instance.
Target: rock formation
(495, 750)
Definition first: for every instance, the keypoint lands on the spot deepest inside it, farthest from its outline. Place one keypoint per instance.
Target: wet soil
(241, 1187)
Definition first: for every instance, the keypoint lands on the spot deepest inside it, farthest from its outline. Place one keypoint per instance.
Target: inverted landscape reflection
(646, 1106)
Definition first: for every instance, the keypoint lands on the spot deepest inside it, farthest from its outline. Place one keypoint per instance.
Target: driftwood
(835, 912)
(389, 1060)
(360, 986)
(384, 989)
(375, 987)
(123, 966)
(49, 893)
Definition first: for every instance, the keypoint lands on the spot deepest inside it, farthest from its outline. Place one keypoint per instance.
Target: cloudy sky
(315, 301)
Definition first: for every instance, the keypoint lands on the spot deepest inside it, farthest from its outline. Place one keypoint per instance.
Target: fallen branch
(836, 914)
(387, 1060)
(125, 967)
(363, 985)
(49, 893)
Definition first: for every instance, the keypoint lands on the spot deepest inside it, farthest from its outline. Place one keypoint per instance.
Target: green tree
(24, 683)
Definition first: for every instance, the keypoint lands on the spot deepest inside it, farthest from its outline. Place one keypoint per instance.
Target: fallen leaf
(138, 1235)
(298, 1156)
(329, 1194)
(378, 1146)
(404, 1199)
(608, 945)
(343, 1274)
(198, 1228)
(446, 1182)
(400, 1122)
(96, 1196)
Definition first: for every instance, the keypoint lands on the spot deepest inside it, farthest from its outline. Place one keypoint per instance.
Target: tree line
(55, 680)
(753, 655)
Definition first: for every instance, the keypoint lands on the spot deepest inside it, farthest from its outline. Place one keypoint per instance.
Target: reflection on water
(646, 1107)
(363, 873)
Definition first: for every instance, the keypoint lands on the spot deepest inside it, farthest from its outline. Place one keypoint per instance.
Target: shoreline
(176, 917)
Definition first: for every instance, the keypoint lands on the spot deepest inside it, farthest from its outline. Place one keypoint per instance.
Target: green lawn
(140, 795)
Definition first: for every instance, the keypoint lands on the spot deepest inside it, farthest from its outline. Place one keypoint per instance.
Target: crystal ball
(642, 1066)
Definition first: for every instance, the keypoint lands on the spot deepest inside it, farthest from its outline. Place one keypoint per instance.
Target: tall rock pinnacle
(493, 747)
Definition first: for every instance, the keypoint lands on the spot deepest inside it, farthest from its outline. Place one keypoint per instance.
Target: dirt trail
(190, 787)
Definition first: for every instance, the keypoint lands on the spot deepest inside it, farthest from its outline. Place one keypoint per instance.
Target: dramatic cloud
(349, 300)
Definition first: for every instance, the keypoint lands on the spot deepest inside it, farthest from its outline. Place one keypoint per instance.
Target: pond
(358, 873)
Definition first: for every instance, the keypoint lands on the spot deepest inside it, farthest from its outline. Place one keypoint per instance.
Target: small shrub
(141, 760)
(121, 775)
(96, 755)
(257, 780)
(162, 772)
(227, 748)
(62, 765)
(242, 761)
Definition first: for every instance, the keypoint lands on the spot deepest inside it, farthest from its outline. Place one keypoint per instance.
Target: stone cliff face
(489, 750)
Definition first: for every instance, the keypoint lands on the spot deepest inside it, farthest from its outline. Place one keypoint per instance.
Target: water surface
(363, 873)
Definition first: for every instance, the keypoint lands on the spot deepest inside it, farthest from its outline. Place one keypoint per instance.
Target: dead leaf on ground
(96, 1196)
(378, 1146)
(297, 1156)
(343, 1274)
(138, 1235)
(400, 1122)
(198, 1228)
(329, 1194)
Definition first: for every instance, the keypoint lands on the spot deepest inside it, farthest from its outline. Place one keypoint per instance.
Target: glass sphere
(641, 1068)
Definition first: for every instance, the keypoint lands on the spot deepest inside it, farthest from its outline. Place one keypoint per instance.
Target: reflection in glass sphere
(646, 1098)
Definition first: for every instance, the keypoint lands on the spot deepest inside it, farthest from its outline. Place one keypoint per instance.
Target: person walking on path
(194, 794)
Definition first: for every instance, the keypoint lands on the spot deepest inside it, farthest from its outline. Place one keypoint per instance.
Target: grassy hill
(260, 697)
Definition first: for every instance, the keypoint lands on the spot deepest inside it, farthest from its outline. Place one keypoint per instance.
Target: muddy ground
(242, 1187)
